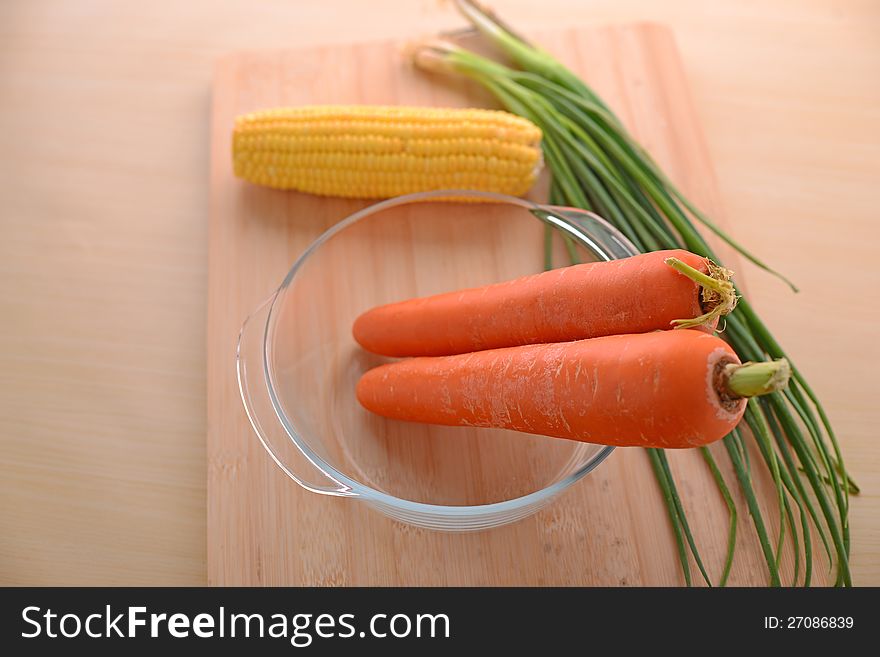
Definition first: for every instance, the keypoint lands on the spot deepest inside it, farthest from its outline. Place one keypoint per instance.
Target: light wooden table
(103, 203)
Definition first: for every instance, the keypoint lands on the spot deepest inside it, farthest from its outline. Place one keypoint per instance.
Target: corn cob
(377, 152)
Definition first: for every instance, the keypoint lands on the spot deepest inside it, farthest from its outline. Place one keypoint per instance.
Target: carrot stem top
(719, 295)
(753, 379)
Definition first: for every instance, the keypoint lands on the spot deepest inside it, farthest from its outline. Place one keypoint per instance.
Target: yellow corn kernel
(364, 151)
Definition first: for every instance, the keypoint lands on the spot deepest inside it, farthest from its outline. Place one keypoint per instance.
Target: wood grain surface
(103, 240)
(608, 529)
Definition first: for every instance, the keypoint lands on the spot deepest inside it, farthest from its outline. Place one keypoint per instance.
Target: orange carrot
(669, 389)
(654, 291)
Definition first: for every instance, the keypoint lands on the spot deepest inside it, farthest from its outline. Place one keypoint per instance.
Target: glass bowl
(298, 363)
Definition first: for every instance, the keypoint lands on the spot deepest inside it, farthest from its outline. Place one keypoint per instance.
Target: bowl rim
(353, 488)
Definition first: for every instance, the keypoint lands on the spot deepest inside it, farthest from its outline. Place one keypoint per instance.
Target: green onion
(597, 165)
(731, 509)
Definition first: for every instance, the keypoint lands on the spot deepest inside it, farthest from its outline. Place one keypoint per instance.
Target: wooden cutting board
(609, 529)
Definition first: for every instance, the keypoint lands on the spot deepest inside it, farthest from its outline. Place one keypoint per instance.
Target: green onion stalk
(596, 165)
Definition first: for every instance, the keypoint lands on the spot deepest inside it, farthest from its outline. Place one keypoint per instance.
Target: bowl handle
(589, 229)
(274, 436)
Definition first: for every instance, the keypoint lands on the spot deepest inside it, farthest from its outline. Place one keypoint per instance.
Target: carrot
(667, 389)
(647, 292)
